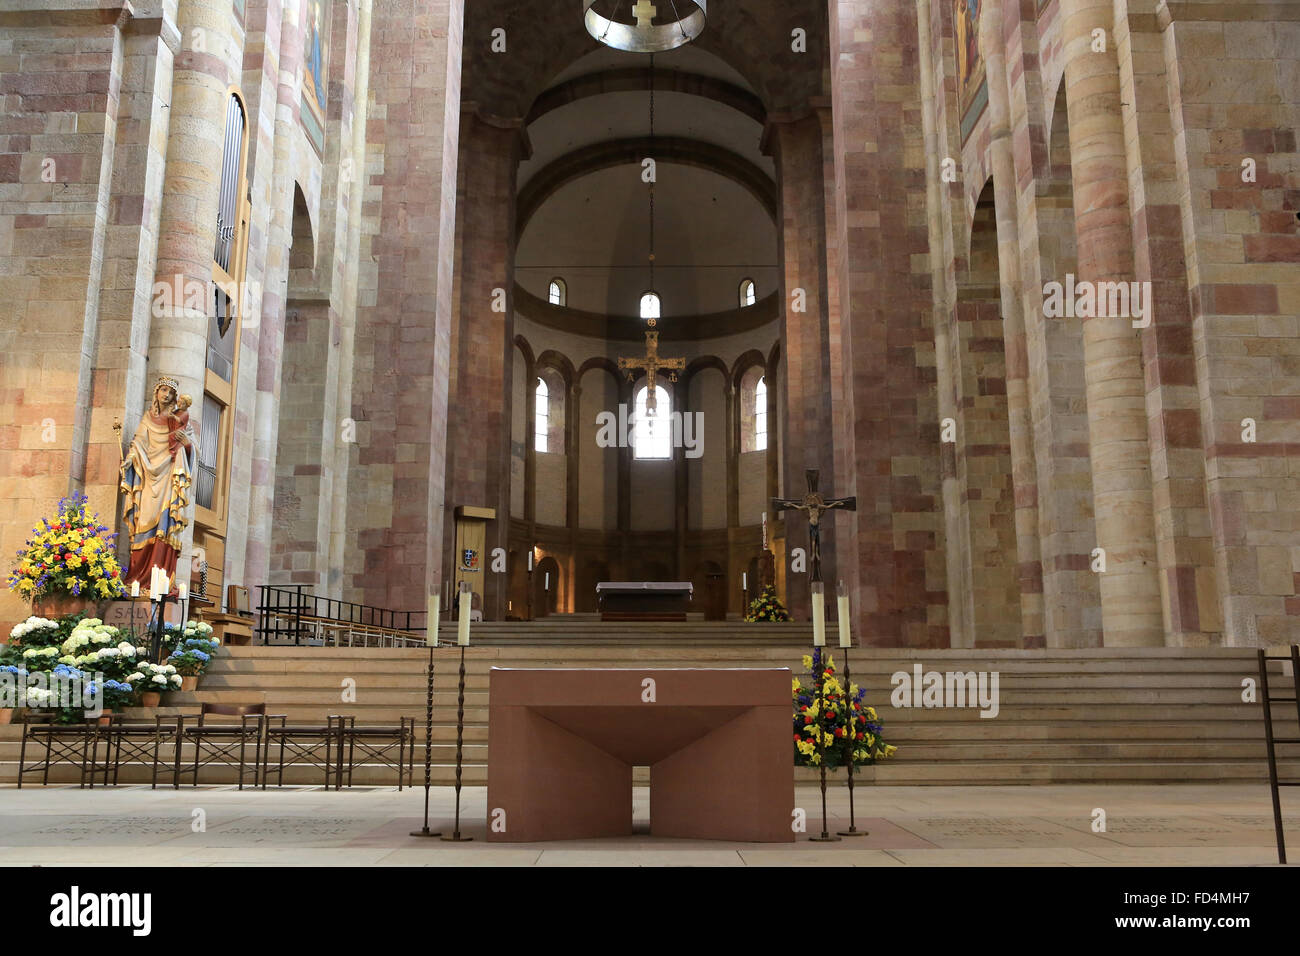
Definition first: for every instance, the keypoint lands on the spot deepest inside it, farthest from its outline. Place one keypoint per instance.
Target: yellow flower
(794, 685)
(807, 662)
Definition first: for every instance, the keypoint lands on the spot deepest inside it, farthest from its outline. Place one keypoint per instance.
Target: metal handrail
(278, 603)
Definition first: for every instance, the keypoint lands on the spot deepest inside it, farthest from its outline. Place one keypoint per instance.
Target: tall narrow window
(747, 293)
(542, 423)
(653, 434)
(760, 415)
(558, 293)
(650, 306)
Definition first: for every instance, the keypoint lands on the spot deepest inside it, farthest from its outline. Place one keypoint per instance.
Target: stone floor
(930, 826)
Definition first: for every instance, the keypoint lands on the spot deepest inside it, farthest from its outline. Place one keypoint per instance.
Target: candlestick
(462, 632)
(431, 625)
(846, 636)
(819, 616)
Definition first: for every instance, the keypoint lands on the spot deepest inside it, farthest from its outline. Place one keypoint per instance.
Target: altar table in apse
(644, 600)
(562, 744)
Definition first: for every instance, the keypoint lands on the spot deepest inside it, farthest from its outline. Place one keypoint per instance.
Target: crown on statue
(170, 382)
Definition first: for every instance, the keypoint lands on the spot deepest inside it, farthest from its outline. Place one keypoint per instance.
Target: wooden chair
(224, 740)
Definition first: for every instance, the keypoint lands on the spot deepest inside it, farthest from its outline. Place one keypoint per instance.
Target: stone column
(805, 335)
(187, 228)
(1023, 465)
(478, 431)
(1121, 458)
(885, 298)
(399, 393)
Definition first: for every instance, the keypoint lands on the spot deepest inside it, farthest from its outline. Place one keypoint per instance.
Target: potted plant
(150, 680)
(118, 695)
(68, 565)
(13, 683)
(192, 650)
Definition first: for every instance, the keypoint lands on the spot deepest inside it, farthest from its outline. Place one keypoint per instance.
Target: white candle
(530, 559)
(744, 581)
(546, 585)
(431, 625)
(183, 591)
(819, 618)
(846, 639)
(155, 589)
(462, 634)
(135, 589)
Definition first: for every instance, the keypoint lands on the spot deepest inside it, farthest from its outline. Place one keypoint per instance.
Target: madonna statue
(156, 477)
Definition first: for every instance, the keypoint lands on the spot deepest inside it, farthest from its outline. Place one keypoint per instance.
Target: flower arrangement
(838, 720)
(767, 607)
(117, 695)
(71, 554)
(33, 630)
(154, 678)
(192, 647)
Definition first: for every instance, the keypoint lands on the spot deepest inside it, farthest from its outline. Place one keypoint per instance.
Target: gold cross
(652, 363)
(644, 11)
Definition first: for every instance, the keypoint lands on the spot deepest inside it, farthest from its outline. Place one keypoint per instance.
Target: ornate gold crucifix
(652, 364)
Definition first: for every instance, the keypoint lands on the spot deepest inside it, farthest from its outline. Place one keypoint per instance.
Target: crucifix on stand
(814, 505)
(652, 364)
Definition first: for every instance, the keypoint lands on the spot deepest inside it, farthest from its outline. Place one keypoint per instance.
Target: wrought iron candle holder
(456, 836)
(853, 830)
(428, 738)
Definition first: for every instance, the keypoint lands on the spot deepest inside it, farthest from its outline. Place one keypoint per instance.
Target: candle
(530, 559)
(744, 581)
(819, 618)
(462, 634)
(135, 589)
(155, 589)
(431, 625)
(546, 585)
(183, 591)
(846, 639)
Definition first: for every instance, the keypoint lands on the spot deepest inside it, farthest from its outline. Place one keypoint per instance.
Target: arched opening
(748, 293)
(547, 587)
(987, 511)
(557, 293)
(653, 428)
(650, 305)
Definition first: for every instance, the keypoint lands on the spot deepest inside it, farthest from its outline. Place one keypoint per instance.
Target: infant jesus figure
(178, 423)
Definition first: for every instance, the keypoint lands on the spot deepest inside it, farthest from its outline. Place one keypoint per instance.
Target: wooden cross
(814, 505)
(644, 11)
(652, 363)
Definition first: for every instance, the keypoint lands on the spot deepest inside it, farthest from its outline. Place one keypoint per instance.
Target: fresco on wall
(315, 48)
(971, 86)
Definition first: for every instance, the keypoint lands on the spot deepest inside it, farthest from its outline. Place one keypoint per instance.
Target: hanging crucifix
(652, 364)
(814, 505)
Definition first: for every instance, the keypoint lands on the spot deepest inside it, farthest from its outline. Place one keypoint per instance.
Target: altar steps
(1066, 716)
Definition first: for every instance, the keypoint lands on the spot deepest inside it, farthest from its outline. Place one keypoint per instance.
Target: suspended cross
(814, 505)
(652, 363)
(644, 11)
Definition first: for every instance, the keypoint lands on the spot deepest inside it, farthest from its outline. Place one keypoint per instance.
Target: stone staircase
(1065, 716)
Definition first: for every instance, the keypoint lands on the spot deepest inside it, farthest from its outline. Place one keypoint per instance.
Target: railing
(288, 611)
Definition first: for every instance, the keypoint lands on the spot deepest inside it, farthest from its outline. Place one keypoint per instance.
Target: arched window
(650, 306)
(747, 293)
(753, 410)
(652, 434)
(558, 293)
(542, 425)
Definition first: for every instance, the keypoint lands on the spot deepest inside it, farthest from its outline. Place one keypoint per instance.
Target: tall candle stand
(819, 673)
(428, 735)
(852, 831)
(455, 835)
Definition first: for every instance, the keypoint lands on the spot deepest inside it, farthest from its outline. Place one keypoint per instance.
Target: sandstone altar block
(562, 744)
